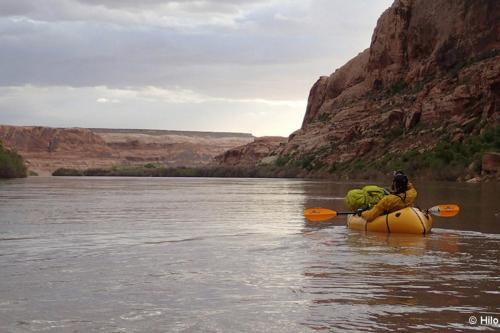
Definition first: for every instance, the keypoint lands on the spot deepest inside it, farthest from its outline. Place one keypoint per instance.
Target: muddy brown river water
(236, 255)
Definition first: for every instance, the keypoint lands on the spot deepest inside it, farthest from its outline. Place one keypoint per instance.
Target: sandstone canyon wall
(259, 151)
(430, 75)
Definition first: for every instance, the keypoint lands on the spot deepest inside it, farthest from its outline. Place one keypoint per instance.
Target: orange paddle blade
(319, 214)
(448, 210)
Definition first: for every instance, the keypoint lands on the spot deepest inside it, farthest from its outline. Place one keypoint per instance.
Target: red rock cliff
(252, 153)
(432, 71)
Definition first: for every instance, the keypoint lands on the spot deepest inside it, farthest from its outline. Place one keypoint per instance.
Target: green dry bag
(356, 199)
(374, 194)
(364, 198)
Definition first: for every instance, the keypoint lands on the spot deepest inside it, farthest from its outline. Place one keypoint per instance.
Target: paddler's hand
(359, 211)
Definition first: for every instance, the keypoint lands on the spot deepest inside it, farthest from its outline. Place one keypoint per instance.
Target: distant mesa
(172, 132)
(46, 149)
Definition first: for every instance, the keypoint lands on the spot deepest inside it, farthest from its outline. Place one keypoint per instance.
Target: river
(236, 255)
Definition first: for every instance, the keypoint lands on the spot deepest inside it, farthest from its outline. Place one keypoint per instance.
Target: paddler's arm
(389, 203)
(375, 211)
(411, 194)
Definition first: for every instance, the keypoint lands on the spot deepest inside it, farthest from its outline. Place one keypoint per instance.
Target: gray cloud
(229, 50)
(94, 54)
(182, 14)
(186, 5)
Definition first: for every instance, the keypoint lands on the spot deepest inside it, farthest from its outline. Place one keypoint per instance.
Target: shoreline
(256, 172)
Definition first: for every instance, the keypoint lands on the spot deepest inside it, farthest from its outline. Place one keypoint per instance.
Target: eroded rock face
(252, 153)
(432, 68)
(432, 71)
(491, 163)
(47, 149)
(51, 140)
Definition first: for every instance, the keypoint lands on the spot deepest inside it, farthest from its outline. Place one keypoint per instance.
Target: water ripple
(227, 255)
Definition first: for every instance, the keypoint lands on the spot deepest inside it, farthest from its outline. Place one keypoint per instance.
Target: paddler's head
(399, 182)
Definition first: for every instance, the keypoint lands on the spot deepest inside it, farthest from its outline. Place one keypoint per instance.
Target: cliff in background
(46, 149)
(423, 96)
(261, 149)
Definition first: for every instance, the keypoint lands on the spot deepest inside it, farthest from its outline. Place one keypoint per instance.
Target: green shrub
(307, 162)
(334, 167)
(418, 87)
(11, 164)
(398, 87)
(324, 117)
(393, 134)
(283, 160)
(358, 165)
(67, 172)
(97, 172)
(468, 128)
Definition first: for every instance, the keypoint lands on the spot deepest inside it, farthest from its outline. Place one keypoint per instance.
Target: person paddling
(402, 195)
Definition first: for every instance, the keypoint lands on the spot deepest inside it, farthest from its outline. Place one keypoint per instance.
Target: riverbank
(209, 171)
(273, 171)
(474, 159)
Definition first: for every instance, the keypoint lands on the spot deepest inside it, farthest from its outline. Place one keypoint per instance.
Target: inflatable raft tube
(408, 220)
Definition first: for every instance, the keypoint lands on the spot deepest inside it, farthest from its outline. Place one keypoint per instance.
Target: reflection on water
(374, 282)
(236, 255)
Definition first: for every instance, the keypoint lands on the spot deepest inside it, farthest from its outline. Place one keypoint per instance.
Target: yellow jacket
(391, 203)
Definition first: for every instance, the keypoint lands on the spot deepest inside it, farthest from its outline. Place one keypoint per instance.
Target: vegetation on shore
(160, 171)
(445, 161)
(11, 164)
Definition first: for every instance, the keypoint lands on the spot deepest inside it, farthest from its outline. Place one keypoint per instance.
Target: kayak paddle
(444, 210)
(323, 214)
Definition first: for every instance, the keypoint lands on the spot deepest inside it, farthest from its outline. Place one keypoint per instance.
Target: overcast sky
(207, 65)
